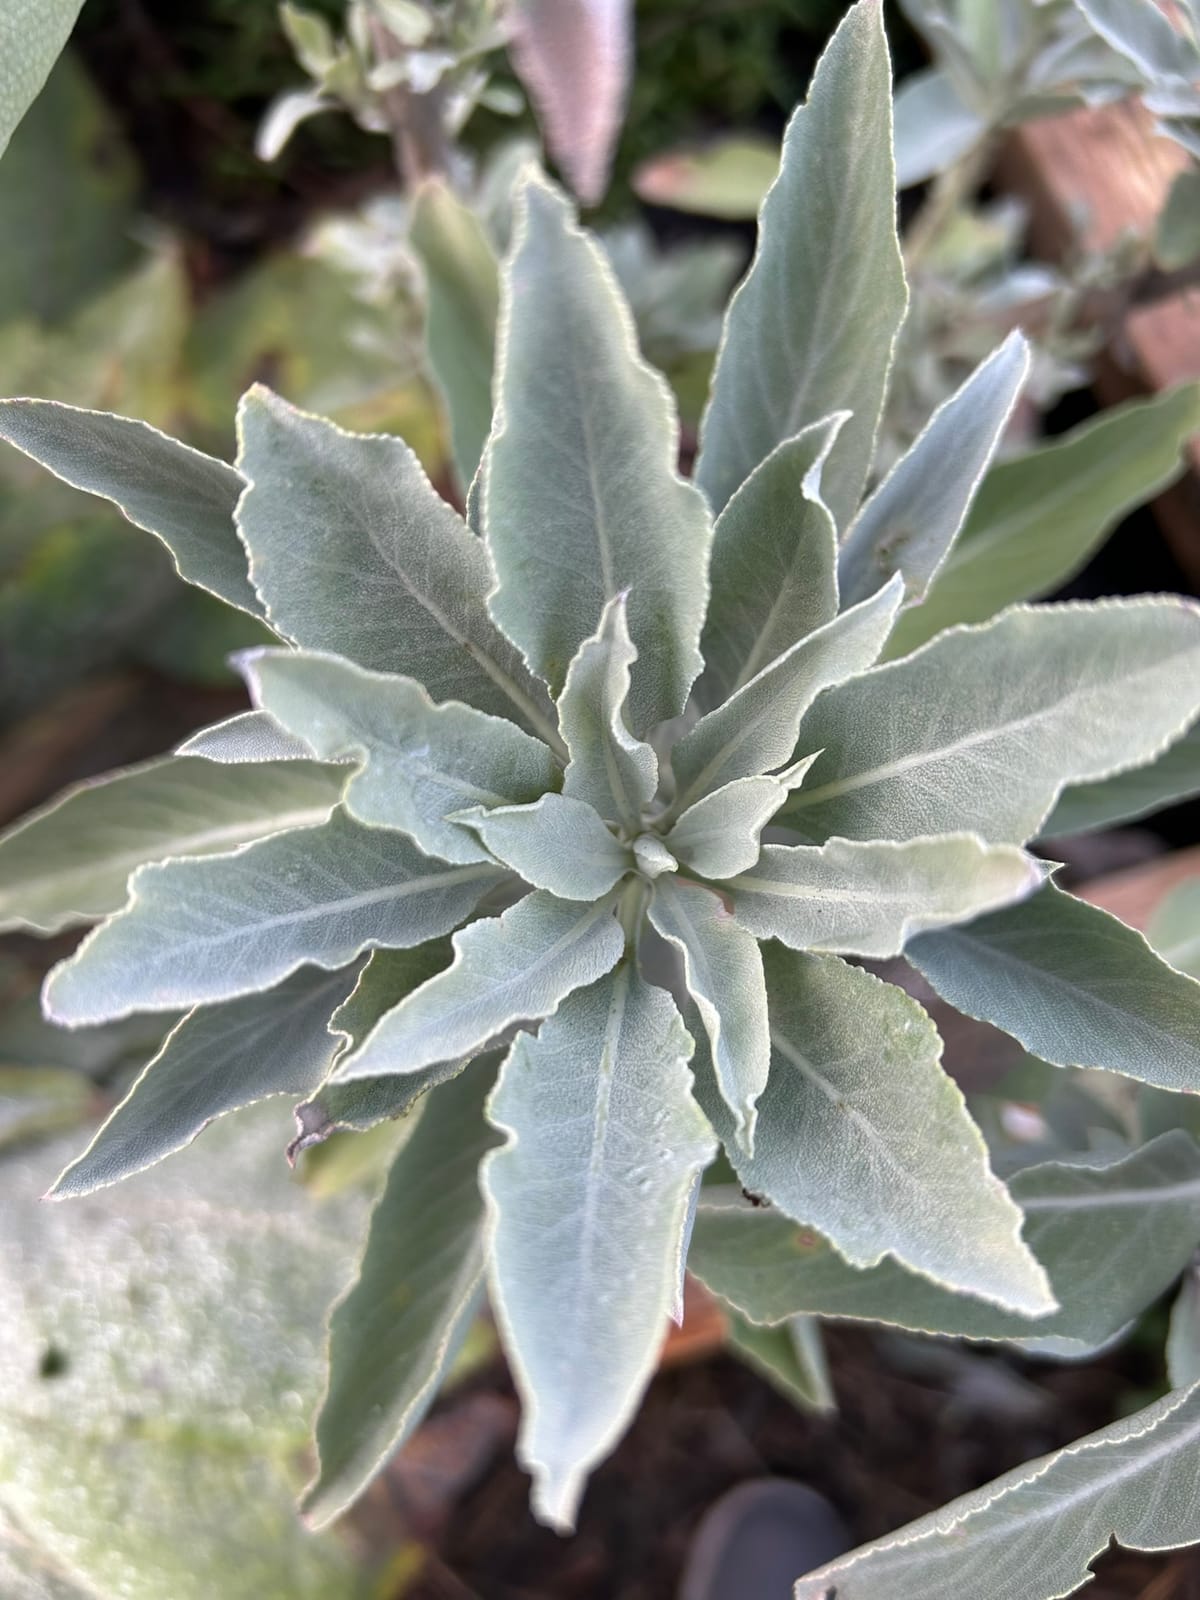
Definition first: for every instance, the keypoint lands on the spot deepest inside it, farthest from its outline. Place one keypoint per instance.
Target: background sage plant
(564, 831)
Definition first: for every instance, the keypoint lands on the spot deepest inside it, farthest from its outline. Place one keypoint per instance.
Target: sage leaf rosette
(558, 834)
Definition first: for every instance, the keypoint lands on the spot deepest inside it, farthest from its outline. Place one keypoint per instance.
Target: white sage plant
(562, 831)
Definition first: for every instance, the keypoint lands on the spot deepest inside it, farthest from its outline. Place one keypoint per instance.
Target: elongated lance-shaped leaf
(1175, 776)
(1112, 1236)
(856, 1085)
(508, 969)
(31, 37)
(811, 329)
(70, 861)
(1074, 985)
(1032, 1534)
(791, 1357)
(183, 497)
(867, 898)
(756, 729)
(1174, 927)
(362, 1103)
(557, 844)
(910, 523)
(573, 56)
(724, 974)
(610, 769)
(581, 497)
(218, 1059)
(249, 736)
(396, 1331)
(195, 932)
(354, 551)
(589, 1203)
(982, 728)
(462, 302)
(1038, 517)
(718, 837)
(416, 762)
(774, 562)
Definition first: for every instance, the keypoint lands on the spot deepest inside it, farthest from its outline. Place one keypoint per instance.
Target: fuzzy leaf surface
(186, 1310)
(180, 495)
(70, 861)
(396, 1331)
(417, 763)
(1038, 517)
(1074, 985)
(774, 561)
(724, 974)
(32, 34)
(1031, 1534)
(610, 769)
(1175, 776)
(867, 898)
(355, 552)
(507, 969)
(218, 1059)
(611, 513)
(557, 844)
(250, 736)
(718, 836)
(462, 302)
(196, 932)
(856, 1087)
(1112, 1237)
(756, 729)
(910, 523)
(359, 1104)
(982, 728)
(791, 1357)
(589, 1202)
(811, 329)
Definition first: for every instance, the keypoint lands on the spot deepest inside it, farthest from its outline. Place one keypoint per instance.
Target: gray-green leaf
(610, 769)
(417, 763)
(1174, 929)
(183, 497)
(1038, 517)
(718, 837)
(790, 1356)
(1112, 1235)
(910, 523)
(195, 932)
(70, 861)
(354, 551)
(1032, 1534)
(724, 974)
(856, 1085)
(558, 843)
(396, 1331)
(811, 329)
(218, 1059)
(462, 300)
(508, 969)
(1175, 776)
(247, 737)
(983, 727)
(581, 496)
(756, 729)
(589, 1203)
(1074, 985)
(774, 561)
(32, 33)
(868, 898)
